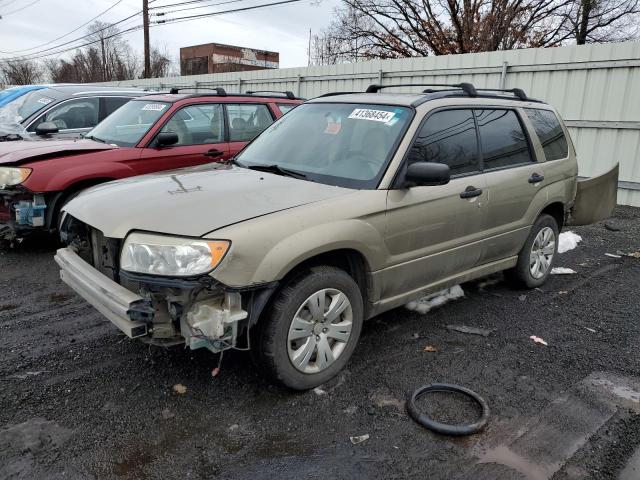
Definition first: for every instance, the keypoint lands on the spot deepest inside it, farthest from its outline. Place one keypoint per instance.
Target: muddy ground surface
(79, 400)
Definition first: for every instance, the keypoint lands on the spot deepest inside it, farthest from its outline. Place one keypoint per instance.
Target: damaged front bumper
(164, 311)
(21, 213)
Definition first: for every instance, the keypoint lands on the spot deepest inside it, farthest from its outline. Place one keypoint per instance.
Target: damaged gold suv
(346, 207)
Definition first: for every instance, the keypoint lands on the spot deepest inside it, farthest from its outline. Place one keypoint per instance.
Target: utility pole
(145, 26)
(104, 60)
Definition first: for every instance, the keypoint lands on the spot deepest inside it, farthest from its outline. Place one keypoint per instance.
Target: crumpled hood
(192, 202)
(21, 151)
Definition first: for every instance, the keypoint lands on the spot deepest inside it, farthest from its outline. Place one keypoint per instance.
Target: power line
(20, 9)
(68, 33)
(179, 4)
(7, 4)
(160, 14)
(203, 15)
(29, 56)
(157, 23)
(122, 32)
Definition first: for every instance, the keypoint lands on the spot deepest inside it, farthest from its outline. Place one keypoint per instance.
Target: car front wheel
(311, 329)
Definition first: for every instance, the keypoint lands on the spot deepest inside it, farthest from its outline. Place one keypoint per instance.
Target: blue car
(10, 94)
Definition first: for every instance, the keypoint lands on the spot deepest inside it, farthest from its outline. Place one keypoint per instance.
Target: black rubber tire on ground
(455, 430)
(269, 335)
(520, 275)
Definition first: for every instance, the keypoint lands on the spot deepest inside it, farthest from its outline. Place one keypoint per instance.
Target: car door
(434, 232)
(513, 178)
(246, 121)
(73, 117)
(201, 139)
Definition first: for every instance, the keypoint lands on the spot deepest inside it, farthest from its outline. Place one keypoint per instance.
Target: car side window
(502, 139)
(449, 137)
(110, 105)
(550, 133)
(286, 107)
(72, 114)
(246, 121)
(197, 124)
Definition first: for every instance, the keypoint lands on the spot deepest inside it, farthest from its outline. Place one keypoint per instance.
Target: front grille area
(90, 243)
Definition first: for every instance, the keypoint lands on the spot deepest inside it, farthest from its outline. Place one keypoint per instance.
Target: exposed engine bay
(197, 312)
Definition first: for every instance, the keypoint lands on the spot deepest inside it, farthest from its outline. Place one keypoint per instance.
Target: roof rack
(287, 93)
(219, 91)
(518, 92)
(467, 88)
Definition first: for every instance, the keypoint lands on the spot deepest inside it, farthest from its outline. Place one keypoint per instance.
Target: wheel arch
(557, 211)
(57, 201)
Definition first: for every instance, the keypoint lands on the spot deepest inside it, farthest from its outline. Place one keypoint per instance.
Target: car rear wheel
(536, 258)
(310, 330)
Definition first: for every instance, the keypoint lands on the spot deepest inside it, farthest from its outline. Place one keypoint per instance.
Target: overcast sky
(283, 28)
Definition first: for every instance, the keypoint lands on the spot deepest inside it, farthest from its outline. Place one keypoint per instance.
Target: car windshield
(127, 125)
(347, 145)
(33, 102)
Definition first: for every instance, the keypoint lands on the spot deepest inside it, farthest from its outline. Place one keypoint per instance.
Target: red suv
(149, 134)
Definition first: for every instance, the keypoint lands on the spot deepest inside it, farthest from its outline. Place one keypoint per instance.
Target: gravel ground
(79, 400)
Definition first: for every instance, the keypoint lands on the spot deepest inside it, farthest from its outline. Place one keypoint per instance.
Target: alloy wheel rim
(320, 330)
(542, 252)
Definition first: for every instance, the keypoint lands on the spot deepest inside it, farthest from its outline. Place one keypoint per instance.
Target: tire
(273, 348)
(523, 274)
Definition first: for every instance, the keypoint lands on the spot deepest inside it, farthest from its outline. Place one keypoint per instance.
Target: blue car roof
(10, 94)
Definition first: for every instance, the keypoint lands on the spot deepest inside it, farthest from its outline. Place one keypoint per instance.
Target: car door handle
(213, 153)
(471, 192)
(536, 178)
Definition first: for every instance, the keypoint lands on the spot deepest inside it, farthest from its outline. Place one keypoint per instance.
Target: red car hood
(25, 151)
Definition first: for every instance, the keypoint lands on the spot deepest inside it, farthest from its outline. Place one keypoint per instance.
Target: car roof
(375, 95)
(70, 89)
(230, 97)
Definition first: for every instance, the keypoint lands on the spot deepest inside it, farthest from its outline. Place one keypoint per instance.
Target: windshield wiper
(90, 137)
(277, 169)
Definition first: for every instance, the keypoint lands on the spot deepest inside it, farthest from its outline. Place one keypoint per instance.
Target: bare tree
(404, 28)
(598, 21)
(20, 72)
(160, 62)
(108, 58)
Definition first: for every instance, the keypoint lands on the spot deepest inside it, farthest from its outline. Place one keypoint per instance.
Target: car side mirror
(164, 139)
(428, 173)
(46, 128)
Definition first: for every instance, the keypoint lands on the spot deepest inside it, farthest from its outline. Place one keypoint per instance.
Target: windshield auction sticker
(155, 107)
(375, 115)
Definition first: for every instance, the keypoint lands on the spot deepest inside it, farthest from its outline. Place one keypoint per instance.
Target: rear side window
(110, 105)
(247, 120)
(502, 139)
(448, 137)
(550, 133)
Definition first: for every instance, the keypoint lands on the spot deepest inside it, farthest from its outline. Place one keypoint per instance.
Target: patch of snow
(562, 271)
(424, 304)
(568, 241)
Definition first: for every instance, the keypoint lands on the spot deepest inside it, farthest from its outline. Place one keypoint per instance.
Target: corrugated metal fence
(596, 88)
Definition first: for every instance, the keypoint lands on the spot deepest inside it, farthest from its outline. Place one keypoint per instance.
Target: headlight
(159, 255)
(13, 176)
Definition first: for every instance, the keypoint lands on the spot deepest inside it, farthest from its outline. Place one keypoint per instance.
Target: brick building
(219, 58)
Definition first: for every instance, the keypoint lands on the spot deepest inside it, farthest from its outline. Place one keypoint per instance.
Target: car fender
(282, 257)
(68, 177)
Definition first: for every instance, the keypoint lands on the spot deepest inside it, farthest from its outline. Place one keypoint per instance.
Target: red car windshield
(128, 124)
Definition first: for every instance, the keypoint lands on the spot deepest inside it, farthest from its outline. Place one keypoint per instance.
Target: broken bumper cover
(108, 297)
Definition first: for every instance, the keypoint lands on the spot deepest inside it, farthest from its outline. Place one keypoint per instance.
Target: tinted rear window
(502, 139)
(550, 133)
